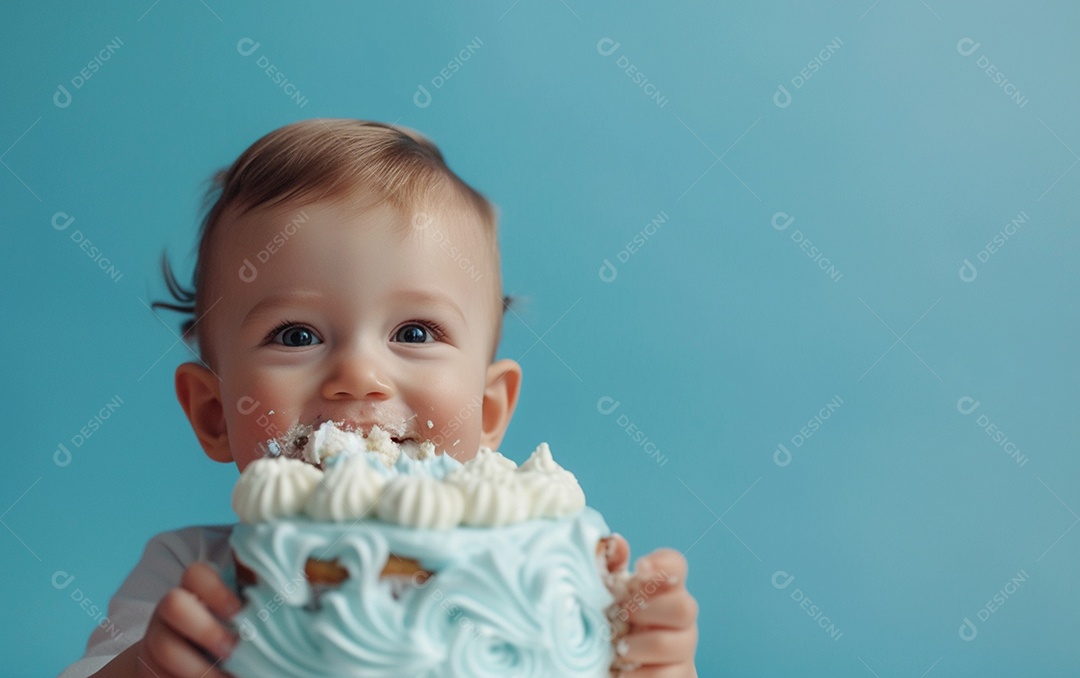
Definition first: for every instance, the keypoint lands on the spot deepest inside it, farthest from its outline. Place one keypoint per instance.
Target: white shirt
(163, 562)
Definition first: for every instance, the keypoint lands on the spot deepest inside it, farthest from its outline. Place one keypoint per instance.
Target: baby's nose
(357, 375)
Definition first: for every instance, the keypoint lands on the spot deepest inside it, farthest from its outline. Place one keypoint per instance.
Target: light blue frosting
(524, 600)
(437, 467)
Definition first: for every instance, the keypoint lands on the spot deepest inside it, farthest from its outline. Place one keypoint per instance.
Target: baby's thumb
(616, 552)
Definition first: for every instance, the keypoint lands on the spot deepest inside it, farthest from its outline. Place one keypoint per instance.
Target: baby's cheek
(456, 420)
(252, 422)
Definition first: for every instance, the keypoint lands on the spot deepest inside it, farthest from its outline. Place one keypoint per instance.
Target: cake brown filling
(330, 573)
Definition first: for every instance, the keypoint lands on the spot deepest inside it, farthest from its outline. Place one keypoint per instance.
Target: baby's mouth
(398, 431)
(299, 441)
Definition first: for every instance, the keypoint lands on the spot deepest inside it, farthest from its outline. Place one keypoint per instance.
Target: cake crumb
(426, 450)
(270, 412)
(429, 424)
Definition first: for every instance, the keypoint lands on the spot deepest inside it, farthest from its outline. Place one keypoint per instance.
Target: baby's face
(363, 317)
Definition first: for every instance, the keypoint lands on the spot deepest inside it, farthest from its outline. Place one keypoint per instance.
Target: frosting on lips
(524, 598)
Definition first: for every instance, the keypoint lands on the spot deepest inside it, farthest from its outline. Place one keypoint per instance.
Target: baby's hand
(183, 631)
(661, 613)
(184, 627)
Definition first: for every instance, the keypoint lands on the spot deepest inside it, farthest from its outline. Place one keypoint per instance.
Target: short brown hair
(324, 159)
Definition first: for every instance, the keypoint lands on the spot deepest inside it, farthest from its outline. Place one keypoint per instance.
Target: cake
(359, 557)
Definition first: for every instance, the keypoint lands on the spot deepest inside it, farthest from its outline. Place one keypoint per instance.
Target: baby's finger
(660, 570)
(670, 610)
(169, 654)
(187, 618)
(686, 670)
(661, 646)
(616, 552)
(204, 581)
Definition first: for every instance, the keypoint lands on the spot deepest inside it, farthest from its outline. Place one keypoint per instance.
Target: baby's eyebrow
(289, 298)
(433, 298)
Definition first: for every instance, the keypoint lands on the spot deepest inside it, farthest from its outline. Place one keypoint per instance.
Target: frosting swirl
(350, 490)
(274, 487)
(522, 600)
(492, 497)
(422, 501)
(552, 490)
(360, 476)
(542, 461)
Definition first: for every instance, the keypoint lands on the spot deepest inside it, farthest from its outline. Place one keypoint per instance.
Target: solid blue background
(720, 335)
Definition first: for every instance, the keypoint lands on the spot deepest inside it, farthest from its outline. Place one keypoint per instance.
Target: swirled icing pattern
(360, 476)
(272, 488)
(523, 599)
(348, 491)
(422, 502)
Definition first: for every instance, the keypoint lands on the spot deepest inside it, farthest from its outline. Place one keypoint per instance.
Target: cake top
(331, 474)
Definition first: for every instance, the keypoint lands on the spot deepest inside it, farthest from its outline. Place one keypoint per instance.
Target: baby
(344, 274)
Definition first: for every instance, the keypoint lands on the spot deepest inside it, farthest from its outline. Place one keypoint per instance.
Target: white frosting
(422, 501)
(490, 499)
(550, 495)
(491, 488)
(541, 460)
(552, 490)
(329, 441)
(275, 487)
(349, 491)
(489, 463)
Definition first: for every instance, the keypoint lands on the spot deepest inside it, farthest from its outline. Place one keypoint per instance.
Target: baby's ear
(500, 399)
(199, 393)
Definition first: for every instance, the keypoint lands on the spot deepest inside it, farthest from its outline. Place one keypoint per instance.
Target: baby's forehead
(436, 219)
(451, 233)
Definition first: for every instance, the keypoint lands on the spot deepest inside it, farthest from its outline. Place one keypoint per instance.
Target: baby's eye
(295, 336)
(415, 333)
